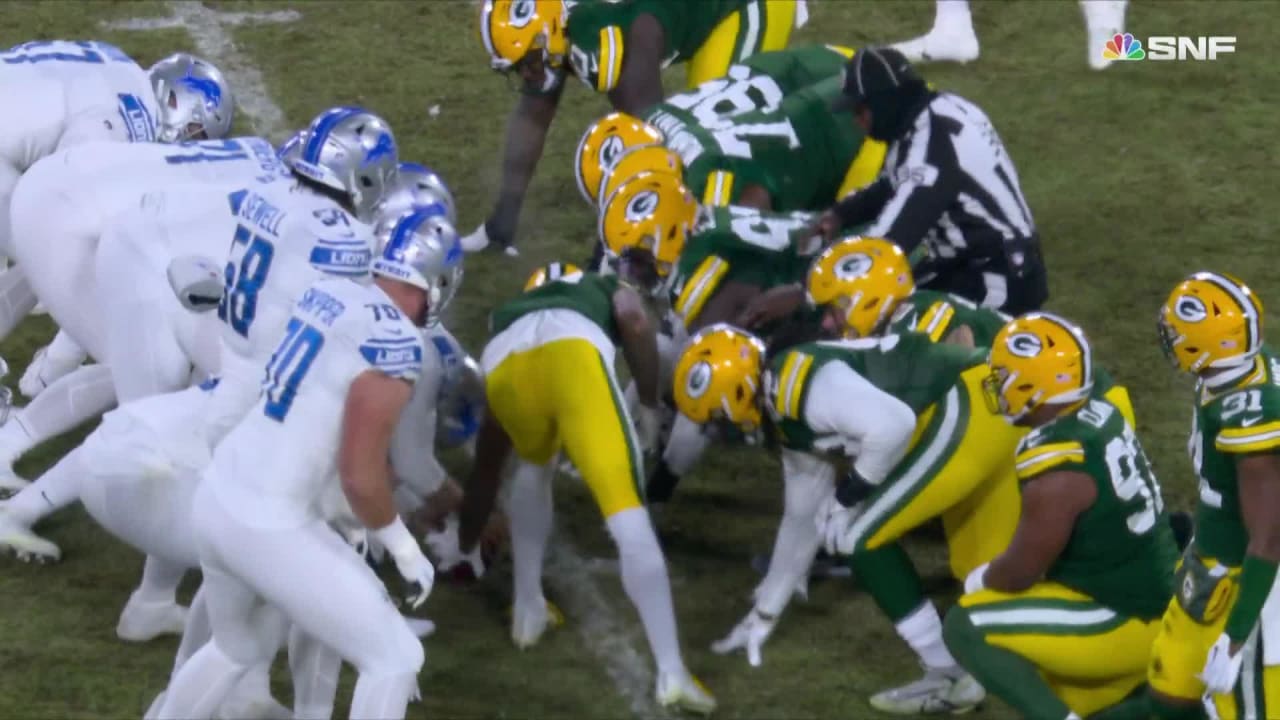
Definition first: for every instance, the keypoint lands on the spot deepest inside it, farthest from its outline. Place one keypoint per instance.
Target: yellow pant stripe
(866, 166)
(845, 51)
(700, 287)
(758, 26)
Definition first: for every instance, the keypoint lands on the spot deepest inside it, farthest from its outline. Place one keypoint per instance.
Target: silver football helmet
(350, 150)
(292, 148)
(422, 249)
(417, 186)
(195, 100)
(460, 403)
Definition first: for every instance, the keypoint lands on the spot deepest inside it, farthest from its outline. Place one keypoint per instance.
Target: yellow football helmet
(549, 273)
(652, 211)
(1211, 320)
(606, 140)
(511, 29)
(865, 277)
(646, 158)
(1038, 359)
(718, 377)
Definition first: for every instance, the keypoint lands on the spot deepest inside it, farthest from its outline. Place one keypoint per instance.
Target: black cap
(874, 71)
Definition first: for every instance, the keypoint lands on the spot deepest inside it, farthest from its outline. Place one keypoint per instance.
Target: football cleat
(940, 691)
(529, 624)
(10, 483)
(17, 538)
(142, 621)
(685, 692)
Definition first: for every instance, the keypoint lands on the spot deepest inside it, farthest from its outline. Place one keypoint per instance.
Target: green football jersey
(597, 31)
(1121, 552)
(936, 314)
(909, 367)
(688, 120)
(588, 294)
(741, 245)
(1227, 425)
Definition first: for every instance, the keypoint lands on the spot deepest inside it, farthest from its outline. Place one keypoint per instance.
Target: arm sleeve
(878, 425)
(924, 186)
(413, 458)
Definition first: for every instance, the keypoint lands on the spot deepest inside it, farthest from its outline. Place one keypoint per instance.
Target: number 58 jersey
(281, 457)
(1121, 552)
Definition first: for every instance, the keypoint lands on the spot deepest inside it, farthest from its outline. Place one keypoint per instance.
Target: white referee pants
(320, 584)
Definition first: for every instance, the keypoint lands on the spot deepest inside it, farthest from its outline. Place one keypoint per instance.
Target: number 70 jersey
(283, 452)
(1121, 552)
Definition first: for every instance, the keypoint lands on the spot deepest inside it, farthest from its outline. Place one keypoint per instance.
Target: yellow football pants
(561, 395)
(1179, 652)
(759, 26)
(1090, 656)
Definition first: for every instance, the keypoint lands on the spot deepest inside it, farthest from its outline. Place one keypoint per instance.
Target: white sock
(529, 512)
(160, 580)
(952, 14)
(81, 395)
(17, 300)
(199, 688)
(644, 576)
(922, 630)
(685, 444)
(64, 351)
(383, 698)
(314, 668)
(57, 488)
(15, 438)
(195, 633)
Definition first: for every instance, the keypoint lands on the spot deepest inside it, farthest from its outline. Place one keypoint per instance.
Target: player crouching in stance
(1060, 625)
(1219, 636)
(550, 385)
(337, 383)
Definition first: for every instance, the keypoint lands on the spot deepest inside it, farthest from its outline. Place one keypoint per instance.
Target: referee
(948, 194)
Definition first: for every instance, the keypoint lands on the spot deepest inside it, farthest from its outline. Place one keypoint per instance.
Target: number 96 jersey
(1121, 552)
(279, 459)
(1228, 424)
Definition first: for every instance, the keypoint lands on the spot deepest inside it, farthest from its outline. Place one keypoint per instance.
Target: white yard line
(596, 619)
(572, 576)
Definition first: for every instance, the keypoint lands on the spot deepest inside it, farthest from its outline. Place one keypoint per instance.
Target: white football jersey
(280, 459)
(286, 237)
(72, 92)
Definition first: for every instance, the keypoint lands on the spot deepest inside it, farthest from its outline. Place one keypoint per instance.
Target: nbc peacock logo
(1123, 47)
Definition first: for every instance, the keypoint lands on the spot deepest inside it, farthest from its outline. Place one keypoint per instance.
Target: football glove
(749, 635)
(448, 553)
(413, 566)
(1221, 668)
(196, 281)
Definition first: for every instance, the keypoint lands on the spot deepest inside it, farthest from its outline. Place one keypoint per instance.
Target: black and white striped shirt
(949, 184)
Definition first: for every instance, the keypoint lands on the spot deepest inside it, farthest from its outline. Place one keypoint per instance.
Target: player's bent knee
(958, 630)
(632, 532)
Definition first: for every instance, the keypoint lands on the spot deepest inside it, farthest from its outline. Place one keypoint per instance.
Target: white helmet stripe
(1247, 306)
(1086, 352)
(486, 29)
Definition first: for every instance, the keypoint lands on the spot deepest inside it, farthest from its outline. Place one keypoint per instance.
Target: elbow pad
(196, 282)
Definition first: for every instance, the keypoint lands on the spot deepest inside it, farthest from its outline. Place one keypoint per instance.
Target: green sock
(1008, 676)
(1134, 708)
(889, 577)
(1187, 711)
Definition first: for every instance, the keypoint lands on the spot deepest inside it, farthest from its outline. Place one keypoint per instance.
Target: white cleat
(683, 691)
(144, 621)
(17, 538)
(265, 708)
(528, 625)
(475, 242)
(10, 483)
(43, 372)
(940, 691)
(1103, 19)
(942, 44)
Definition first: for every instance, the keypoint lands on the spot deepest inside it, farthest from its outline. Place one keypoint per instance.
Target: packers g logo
(1024, 345)
(699, 380)
(853, 266)
(522, 12)
(1190, 309)
(642, 206)
(610, 150)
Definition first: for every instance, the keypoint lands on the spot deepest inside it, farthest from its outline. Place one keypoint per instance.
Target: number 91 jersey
(1227, 425)
(1121, 551)
(277, 461)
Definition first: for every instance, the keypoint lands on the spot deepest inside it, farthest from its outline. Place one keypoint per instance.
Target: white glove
(196, 281)
(976, 578)
(648, 426)
(750, 634)
(1221, 668)
(834, 521)
(414, 567)
(448, 553)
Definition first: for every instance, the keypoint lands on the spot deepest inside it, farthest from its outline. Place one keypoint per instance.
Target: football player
(614, 48)
(1216, 636)
(550, 385)
(1060, 624)
(338, 380)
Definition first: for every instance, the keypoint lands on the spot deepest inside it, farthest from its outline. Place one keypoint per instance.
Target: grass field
(1136, 176)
